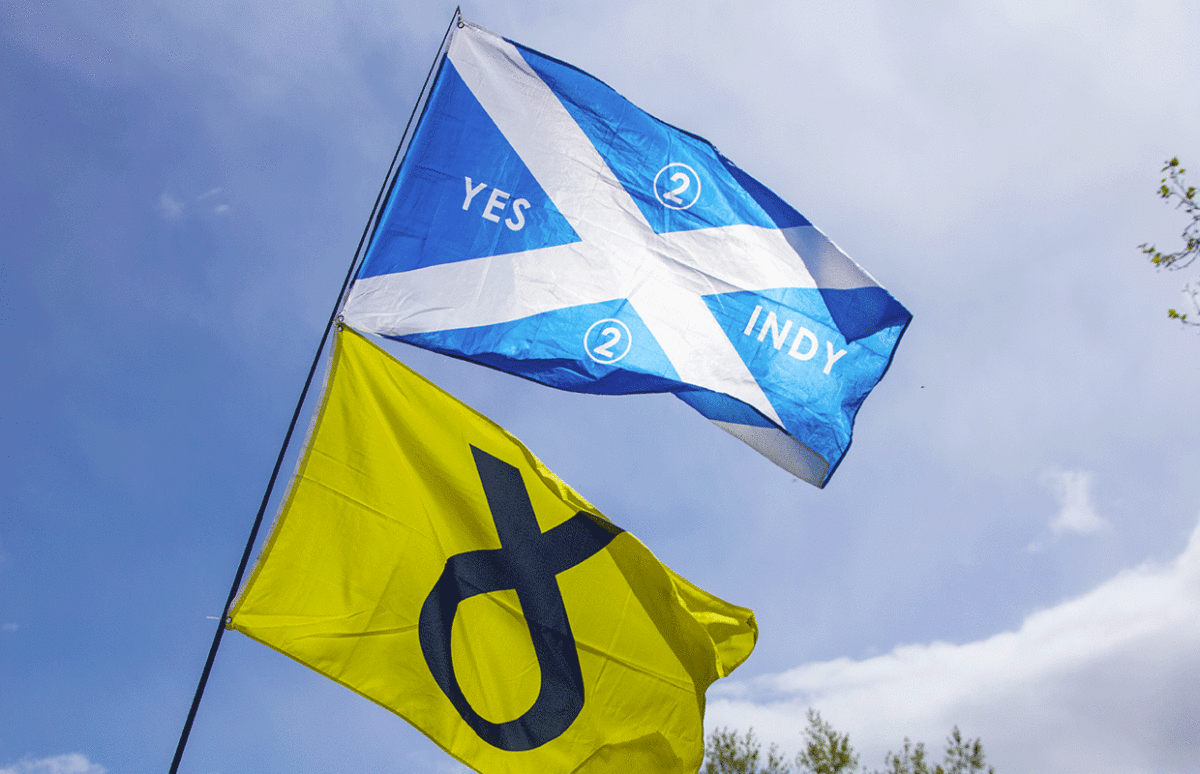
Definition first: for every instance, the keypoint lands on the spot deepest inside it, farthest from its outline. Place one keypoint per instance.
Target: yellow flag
(425, 559)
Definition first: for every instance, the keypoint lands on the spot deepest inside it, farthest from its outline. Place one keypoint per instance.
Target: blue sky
(1005, 547)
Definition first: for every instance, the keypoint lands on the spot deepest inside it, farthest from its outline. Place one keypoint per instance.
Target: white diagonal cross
(619, 256)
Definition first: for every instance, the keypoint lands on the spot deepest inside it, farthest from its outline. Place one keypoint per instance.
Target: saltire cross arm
(543, 225)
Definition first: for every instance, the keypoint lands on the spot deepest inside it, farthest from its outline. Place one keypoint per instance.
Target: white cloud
(169, 206)
(10, 627)
(173, 209)
(1073, 490)
(1106, 682)
(72, 763)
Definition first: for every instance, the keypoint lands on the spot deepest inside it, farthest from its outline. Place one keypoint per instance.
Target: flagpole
(262, 508)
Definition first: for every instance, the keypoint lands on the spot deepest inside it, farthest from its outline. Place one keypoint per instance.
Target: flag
(542, 225)
(427, 560)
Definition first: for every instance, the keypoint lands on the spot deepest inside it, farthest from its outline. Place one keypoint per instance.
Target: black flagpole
(262, 508)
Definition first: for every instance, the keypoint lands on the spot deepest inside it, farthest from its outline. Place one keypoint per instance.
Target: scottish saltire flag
(543, 225)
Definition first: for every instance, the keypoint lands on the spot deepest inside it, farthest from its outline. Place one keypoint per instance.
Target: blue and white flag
(543, 225)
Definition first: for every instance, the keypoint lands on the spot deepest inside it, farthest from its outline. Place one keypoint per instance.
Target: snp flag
(543, 225)
(425, 559)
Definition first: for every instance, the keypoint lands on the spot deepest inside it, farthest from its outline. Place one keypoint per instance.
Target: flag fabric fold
(543, 225)
(427, 560)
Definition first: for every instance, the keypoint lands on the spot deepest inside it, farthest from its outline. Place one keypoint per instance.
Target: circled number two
(684, 181)
(677, 186)
(605, 350)
(607, 341)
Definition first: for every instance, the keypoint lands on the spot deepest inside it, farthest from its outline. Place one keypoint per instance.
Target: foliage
(727, 752)
(910, 761)
(963, 756)
(1174, 188)
(828, 752)
(825, 750)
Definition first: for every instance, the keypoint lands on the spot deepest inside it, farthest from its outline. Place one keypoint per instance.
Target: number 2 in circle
(677, 186)
(607, 341)
(605, 349)
(684, 181)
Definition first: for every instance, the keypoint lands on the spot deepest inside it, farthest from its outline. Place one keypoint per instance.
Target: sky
(1012, 544)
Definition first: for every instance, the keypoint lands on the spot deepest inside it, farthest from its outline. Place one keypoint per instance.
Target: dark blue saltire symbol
(527, 562)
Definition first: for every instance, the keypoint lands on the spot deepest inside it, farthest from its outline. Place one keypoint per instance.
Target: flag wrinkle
(365, 506)
(634, 666)
(364, 633)
(615, 634)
